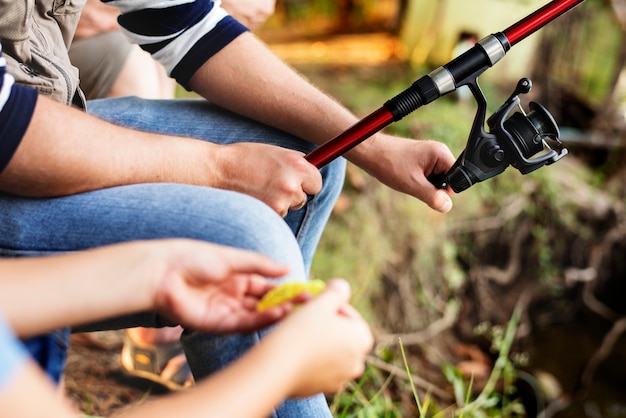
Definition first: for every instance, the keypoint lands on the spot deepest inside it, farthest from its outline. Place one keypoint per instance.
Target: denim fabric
(151, 211)
(50, 352)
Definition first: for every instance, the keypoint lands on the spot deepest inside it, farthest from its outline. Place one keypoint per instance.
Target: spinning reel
(516, 138)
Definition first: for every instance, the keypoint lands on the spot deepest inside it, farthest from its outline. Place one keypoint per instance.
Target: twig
(448, 319)
(597, 259)
(605, 349)
(507, 275)
(418, 381)
(515, 206)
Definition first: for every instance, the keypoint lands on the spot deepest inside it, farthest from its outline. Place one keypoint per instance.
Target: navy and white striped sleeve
(181, 34)
(17, 104)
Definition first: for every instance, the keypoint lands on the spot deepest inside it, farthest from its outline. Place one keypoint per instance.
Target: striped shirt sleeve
(181, 34)
(17, 104)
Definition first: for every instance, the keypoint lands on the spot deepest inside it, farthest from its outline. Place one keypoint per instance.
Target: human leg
(50, 352)
(142, 76)
(100, 60)
(198, 119)
(110, 66)
(39, 226)
(148, 213)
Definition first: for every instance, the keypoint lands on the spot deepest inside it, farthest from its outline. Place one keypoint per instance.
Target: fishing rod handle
(420, 92)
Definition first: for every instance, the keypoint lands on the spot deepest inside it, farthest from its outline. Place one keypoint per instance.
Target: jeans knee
(264, 231)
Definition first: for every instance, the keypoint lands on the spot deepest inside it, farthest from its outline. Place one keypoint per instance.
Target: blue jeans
(151, 211)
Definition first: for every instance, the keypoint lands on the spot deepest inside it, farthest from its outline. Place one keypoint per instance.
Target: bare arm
(299, 364)
(84, 153)
(197, 284)
(66, 151)
(331, 352)
(257, 84)
(96, 17)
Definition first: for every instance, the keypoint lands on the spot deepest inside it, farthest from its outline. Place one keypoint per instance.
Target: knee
(262, 230)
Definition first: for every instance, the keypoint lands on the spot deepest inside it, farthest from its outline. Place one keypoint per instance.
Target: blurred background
(541, 254)
(513, 304)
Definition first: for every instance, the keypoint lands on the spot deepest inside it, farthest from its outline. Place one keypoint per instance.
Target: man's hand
(404, 165)
(96, 18)
(279, 177)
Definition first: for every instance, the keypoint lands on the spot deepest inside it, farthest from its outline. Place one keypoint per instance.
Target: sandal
(151, 362)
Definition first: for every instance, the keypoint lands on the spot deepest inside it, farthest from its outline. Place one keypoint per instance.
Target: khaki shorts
(99, 60)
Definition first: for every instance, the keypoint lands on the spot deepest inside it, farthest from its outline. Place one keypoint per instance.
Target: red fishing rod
(464, 70)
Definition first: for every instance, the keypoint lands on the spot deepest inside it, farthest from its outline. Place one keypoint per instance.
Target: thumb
(337, 292)
(441, 202)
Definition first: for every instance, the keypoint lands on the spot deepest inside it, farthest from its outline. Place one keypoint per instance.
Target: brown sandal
(150, 361)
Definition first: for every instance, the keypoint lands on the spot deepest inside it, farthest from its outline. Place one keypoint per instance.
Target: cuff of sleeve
(225, 32)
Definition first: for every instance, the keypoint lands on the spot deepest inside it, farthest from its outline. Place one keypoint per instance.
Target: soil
(95, 380)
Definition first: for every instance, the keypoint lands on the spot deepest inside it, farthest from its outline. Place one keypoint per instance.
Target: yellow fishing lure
(288, 291)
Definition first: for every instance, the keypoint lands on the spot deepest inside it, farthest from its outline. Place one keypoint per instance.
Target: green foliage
(375, 231)
(586, 50)
(491, 402)
(366, 398)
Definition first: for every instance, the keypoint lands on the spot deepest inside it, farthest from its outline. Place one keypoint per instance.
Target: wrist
(155, 263)
(174, 160)
(361, 155)
(292, 369)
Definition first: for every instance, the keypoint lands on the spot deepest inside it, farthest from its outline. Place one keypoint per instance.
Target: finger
(441, 201)
(337, 292)
(341, 286)
(246, 261)
(258, 287)
(301, 204)
(350, 312)
(312, 182)
(255, 320)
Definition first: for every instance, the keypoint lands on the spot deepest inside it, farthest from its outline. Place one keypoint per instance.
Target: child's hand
(325, 342)
(215, 288)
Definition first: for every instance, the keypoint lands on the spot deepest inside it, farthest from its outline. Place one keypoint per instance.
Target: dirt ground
(96, 382)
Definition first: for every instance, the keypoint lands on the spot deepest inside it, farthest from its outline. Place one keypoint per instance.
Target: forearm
(44, 293)
(256, 83)
(66, 151)
(96, 18)
(247, 78)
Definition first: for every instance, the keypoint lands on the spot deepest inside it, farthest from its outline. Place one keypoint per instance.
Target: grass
(492, 401)
(383, 233)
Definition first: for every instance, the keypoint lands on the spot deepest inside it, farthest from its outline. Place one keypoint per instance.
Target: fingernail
(447, 205)
(341, 284)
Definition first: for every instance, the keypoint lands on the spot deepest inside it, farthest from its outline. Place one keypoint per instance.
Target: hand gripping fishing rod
(515, 138)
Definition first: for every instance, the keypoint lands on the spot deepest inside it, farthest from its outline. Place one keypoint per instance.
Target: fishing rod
(515, 138)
